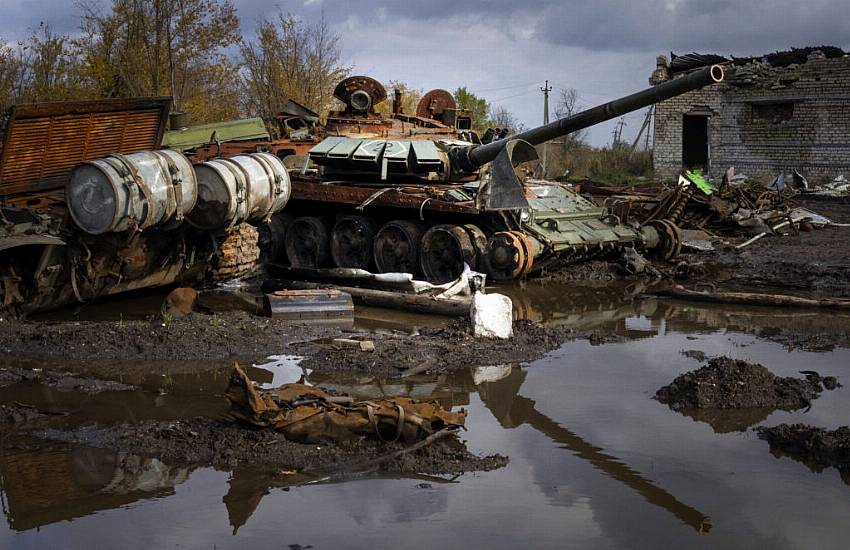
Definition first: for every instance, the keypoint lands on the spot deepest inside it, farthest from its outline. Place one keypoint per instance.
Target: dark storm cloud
(724, 26)
(727, 26)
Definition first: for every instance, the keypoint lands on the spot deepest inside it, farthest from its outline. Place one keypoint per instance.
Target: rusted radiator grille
(44, 142)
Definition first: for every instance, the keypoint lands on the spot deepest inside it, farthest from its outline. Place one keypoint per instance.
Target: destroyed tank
(91, 206)
(422, 193)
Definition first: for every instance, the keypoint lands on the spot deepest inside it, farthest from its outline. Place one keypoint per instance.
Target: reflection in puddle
(285, 369)
(84, 480)
(42, 487)
(594, 460)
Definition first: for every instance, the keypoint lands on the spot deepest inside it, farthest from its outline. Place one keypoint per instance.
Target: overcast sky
(505, 49)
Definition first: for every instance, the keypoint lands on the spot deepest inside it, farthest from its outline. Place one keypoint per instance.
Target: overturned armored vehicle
(92, 207)
(422, 193)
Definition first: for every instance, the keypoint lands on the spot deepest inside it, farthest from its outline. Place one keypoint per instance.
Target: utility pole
(643, 127)
(545, 89)
(618, 132)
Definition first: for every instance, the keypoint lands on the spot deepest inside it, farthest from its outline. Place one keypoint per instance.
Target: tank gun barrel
(469, 159)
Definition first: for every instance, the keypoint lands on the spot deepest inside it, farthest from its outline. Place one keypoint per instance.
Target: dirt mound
(727, 383)
(818, 448)
(205, 441)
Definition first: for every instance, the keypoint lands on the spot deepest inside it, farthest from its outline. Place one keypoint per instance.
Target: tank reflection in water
(594, 460)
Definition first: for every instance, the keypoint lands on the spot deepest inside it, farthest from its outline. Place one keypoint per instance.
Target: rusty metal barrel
(136, 191)
(245, 188)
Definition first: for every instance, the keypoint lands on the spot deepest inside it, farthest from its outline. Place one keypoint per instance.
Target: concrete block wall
(815, 139)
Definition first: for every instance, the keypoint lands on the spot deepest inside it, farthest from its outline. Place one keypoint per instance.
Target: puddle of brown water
(595, 462)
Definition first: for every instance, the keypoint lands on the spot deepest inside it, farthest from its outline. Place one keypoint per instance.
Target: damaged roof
(690, 61)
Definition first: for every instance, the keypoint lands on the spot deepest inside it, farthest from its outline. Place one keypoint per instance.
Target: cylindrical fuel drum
(244, 188)
(135, 191)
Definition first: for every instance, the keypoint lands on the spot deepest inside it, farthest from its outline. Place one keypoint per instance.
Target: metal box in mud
(319, 306)
(423, 193)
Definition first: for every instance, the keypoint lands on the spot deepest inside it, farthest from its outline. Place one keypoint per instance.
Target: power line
(512, 96)
(526, 85)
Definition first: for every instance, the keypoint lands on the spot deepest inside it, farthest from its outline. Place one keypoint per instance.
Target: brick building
(785, 111)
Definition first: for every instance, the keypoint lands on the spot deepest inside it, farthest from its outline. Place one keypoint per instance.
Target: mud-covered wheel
(238, 254)
(307, 242)
(397, 247)
(273, 238)
(443, 251)
(479, 244)
(510, 255)
(352, 240)
(671, 237)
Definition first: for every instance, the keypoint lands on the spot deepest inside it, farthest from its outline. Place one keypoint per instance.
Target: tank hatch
(42, 142)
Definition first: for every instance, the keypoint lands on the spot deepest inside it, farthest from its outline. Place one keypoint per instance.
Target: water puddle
(595, 462)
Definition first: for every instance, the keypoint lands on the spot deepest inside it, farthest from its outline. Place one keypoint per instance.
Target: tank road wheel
(670, 239)
(273, 238)
(352, 240)
(479, 245)
(510, 255)
(307, 242)
(444, 250)
(397, 247)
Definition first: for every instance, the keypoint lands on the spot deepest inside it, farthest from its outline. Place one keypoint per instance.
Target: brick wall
(766, 120)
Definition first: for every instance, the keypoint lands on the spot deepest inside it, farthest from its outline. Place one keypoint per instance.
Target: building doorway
(695, 151)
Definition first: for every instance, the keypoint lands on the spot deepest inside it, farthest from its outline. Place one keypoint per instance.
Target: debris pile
(697, 203)
(838, 187)
(310, 415)
(727, 383)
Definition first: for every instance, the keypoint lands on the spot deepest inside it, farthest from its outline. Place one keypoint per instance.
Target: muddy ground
(61, 380)
(440, 350)
(244, 337)
(812, 264)
(229, 334)
(225, 444)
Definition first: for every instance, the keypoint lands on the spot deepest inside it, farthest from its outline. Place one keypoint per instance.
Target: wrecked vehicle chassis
(417, 194)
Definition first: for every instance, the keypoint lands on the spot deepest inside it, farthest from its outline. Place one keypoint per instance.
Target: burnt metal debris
(309, 414)
(91, 207)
